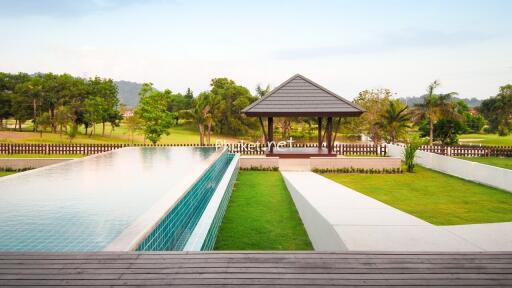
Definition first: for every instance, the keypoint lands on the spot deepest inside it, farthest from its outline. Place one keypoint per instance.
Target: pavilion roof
(301, 97)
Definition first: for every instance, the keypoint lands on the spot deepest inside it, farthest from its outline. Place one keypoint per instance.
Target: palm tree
(395, 120)
(262, 91)
(429, 108)
(203, 113)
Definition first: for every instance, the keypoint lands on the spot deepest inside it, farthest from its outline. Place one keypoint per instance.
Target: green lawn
(261, 215)
(486, 139)
(503, 162)
(5, 173)
(42, 155)
(433, 196)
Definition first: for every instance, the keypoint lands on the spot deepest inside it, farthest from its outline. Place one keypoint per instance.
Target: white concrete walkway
(340, 219)
(490, 237)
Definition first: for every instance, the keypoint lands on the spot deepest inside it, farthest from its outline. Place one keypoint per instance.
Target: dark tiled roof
(299, 96)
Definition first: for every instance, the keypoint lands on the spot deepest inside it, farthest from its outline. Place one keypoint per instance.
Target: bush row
(360, 170)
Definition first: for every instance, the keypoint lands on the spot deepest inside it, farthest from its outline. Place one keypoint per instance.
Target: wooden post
(265, 139)
(270, 123)
(329, 135)
(319, 133)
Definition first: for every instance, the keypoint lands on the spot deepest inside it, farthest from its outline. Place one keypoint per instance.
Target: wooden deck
(256, 269)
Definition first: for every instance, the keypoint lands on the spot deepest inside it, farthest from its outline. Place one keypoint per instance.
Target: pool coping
(200, 232)
(131, 237)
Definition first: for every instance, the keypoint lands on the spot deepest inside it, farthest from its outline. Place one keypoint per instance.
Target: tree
(498, 111)
(133, 124)
(106, 102)
(395, 120)
(72, 131)
(447, 130)
(474, 123)
(152, 110)
(44, 122)
(179, 102)
(429, 109)
(233, 99)
(32, 88)
(202, 113)
(374, 102)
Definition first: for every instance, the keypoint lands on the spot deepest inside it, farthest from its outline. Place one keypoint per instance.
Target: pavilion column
(270, 140)
(319, 133)
(329, 134)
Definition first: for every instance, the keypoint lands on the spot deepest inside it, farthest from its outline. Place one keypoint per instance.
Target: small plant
(72, 132)
(412, 146)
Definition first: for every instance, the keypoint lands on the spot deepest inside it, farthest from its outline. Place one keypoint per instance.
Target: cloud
(404, 39)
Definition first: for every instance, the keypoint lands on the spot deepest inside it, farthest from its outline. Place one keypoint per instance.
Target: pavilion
(301, 97)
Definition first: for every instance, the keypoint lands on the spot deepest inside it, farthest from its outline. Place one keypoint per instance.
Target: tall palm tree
(395, 120)
(204, 112)
(429, 108)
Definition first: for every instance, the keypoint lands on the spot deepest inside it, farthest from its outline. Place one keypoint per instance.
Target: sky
(346, 46)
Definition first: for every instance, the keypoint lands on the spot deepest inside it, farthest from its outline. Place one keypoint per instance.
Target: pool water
(84, 204)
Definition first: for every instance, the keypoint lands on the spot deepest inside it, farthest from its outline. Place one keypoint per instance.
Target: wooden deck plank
(295, 282)
(255, 269)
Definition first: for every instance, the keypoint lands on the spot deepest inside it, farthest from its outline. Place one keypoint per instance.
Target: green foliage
(498, 111)
(474, 123)
(152, 111)
(233, 98)
(65, 98)
(374, 102)
(260, 168)
(359, 170)
(447, 131)
(72, 131)
(262, 91)
(395, 121)
(410, 149)
(133, 124)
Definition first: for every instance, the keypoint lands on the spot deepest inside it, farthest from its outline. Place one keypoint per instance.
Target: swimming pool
(90, 203)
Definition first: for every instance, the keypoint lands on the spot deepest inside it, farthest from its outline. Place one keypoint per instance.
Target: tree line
(63, 103)
(59, 102)
(438, 118)
(217, 110)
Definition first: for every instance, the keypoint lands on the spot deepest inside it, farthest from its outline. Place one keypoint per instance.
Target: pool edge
(131, 237)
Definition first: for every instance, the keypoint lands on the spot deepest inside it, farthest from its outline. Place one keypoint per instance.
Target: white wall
(473, 171)
(322, 234)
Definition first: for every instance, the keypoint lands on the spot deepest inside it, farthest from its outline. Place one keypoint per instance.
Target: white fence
(473, 171)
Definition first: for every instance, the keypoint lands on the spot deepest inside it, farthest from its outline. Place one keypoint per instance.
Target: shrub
(410, 152)
(260, 168)
(358, 170)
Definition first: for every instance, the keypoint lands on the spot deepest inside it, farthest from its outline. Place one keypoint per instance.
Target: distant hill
(128, 92)
(410, 101)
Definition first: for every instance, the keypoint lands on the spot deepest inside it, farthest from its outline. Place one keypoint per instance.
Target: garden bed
(261, 215)
(433, 196)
